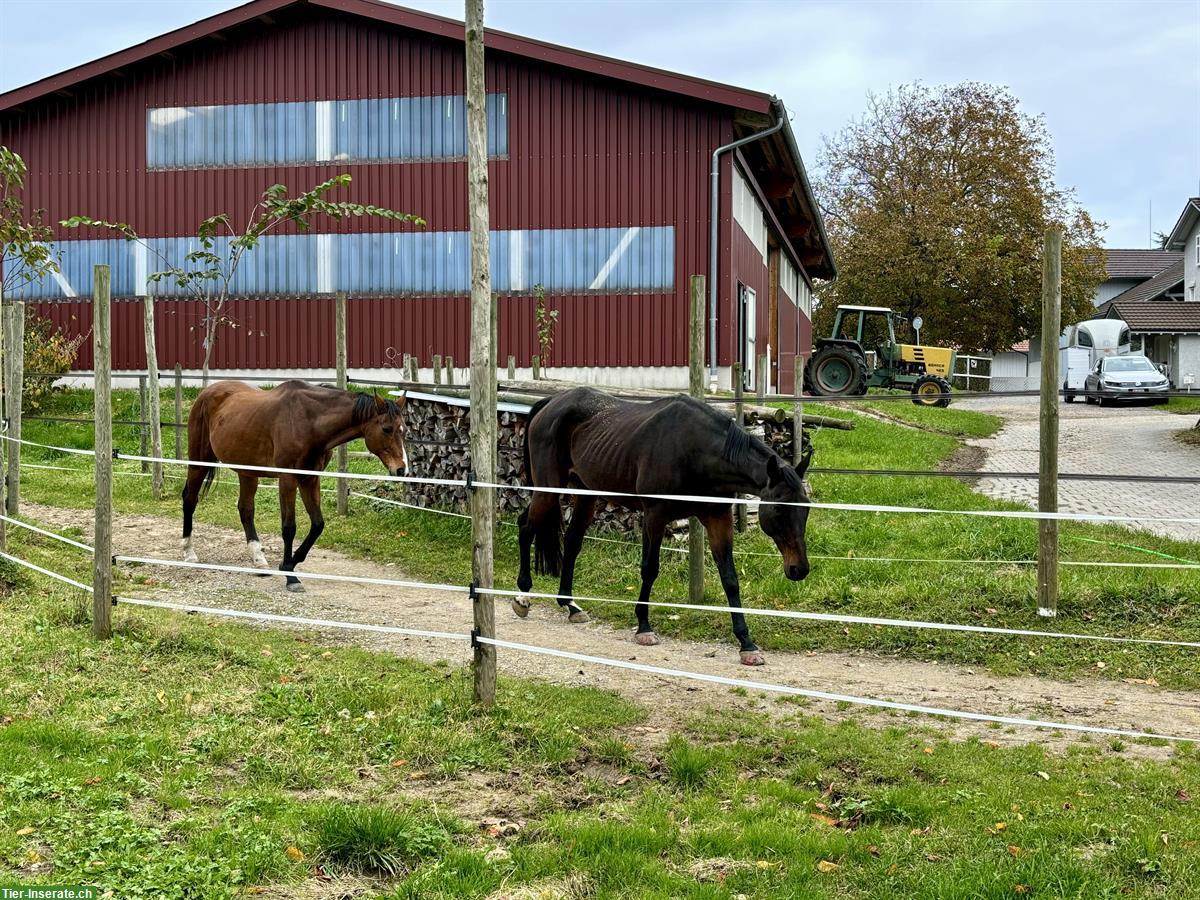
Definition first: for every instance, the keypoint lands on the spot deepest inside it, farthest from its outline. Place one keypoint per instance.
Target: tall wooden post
(3, 417)
(798, 411)
(15, 341)
(154, 411)
(761, 378)
(178, 411)
(437, 368)
(739, 416)
(414, 369)
(450, 371)
(102, 578)
(483, 366)
(696, 389)
(1048, 446)
(343, 453)
(535, 366)
(512, 368)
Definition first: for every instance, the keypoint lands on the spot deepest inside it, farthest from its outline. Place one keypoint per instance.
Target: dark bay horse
(293, 426)
(678, 446)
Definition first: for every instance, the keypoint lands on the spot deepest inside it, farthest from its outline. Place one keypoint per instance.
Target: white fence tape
(47, 572)
(834, 698)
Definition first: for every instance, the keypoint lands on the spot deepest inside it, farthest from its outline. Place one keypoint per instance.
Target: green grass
(1186, 406)
(195, 759)
(952, 421)
(1135, 602)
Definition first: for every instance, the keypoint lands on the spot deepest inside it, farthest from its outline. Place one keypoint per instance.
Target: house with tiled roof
(1127, 269)
(1163, 311)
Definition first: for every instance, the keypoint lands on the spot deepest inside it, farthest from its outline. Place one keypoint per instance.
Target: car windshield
(1129, 364)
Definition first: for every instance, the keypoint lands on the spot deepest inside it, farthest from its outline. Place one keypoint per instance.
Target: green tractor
(863, 353)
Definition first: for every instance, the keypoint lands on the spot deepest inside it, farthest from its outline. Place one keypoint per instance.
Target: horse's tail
(199, 446)
(547, 534)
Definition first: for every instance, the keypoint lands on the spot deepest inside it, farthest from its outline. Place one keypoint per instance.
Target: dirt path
(668, 701)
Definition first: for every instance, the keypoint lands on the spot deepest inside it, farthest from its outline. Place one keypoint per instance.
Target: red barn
(599, 176)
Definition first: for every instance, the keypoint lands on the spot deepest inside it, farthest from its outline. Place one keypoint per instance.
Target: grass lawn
(1136, 602)
(197, 759)
(1185, 406)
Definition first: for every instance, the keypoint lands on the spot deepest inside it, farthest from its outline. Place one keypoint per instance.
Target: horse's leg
(719, 526)
(191, 496)
(581, 519)
(539, 514)
(654, 525)
(310, 493)
(287, 517)
(247, 488)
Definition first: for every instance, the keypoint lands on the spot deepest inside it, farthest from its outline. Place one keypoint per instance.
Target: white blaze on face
(257, 557)
(189, 555)
(404, 456)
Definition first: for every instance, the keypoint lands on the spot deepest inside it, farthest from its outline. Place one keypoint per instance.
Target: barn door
(748, 319)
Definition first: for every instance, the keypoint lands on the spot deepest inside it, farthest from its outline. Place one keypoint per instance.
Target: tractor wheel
(931, 390)
(836, 371)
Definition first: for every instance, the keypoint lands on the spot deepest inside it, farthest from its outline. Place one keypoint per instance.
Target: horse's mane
(739, 447)
(366, 408)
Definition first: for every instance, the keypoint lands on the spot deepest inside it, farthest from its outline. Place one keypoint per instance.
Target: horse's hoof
(753, 658)
(296, 587)
(520, 605)
(578, 616)
(191, 557)
(646, 638)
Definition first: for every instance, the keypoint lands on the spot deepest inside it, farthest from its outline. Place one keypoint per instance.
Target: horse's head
(784, 523)
(383, 432)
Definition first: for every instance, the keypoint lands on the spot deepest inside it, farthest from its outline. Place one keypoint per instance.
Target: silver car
(1129, 377)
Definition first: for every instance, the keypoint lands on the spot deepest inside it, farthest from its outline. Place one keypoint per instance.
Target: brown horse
(294, 426)
(676, 446)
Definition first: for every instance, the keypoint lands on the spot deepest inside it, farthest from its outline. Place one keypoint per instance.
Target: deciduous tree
(936, 202)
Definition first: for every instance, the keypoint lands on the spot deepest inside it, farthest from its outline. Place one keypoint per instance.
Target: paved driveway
(1134, 440)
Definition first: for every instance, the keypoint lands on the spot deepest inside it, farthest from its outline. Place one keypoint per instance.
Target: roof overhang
(1187, 222)
(450, 29)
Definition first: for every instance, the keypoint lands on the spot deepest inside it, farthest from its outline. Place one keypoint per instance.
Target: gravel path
(667, 700)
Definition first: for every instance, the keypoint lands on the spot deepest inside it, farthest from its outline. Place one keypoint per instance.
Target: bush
(47, 351)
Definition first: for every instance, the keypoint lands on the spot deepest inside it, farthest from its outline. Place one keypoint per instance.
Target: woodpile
(439, 447)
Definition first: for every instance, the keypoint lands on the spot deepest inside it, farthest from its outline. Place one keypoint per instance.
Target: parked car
(1130, 377)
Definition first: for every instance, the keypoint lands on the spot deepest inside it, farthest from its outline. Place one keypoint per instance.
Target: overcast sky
(1118, 82)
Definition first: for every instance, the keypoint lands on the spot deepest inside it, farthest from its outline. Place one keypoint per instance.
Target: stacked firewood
(438, 442)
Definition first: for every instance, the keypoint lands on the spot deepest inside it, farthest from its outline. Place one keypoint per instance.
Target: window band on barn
(598, 179)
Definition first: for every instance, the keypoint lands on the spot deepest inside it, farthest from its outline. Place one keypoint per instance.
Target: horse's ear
(380, 403)
(402, 400)
(773, 471)
(805, 459)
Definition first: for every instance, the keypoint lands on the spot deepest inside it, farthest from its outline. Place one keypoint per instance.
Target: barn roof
(776, 160)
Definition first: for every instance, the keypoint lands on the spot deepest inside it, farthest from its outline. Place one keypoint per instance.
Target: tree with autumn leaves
(936, 202)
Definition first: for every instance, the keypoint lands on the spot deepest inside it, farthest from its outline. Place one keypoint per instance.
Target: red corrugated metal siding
(788, 335)
(583, 152)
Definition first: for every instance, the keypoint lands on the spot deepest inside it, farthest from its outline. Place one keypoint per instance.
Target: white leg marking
(189, 555)
(257, 557)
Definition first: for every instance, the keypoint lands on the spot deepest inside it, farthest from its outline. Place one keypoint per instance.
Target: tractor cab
(862, 351)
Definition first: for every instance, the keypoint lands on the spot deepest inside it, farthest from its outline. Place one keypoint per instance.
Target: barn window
(250, 134)
(436, 264)
(748, 213)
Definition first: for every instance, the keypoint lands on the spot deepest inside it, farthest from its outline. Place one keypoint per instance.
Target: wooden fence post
(761, 377)
(406, 366)
(512, 368)
(739, 510)
(798, 410)
(3, 415)
(483, 362)
(1048, 445)
(535, 364)
(154, 416)
(414, 369)
(142, 429)
(15, 341)
(343, 453)
(450, 370)
(696, 389)
(178, 411)
(102, 576)
(437, 368)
